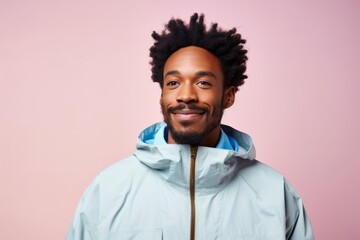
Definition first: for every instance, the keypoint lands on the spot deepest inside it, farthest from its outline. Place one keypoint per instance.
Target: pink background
(75, 91)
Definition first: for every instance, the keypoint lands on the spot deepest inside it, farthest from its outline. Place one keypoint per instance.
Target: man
(191, 177)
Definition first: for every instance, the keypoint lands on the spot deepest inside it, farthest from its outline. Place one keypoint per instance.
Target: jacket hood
(213, 167)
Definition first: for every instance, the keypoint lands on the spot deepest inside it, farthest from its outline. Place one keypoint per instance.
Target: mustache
(188, 106)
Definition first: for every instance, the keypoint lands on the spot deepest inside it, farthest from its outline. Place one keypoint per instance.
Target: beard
(192, 137)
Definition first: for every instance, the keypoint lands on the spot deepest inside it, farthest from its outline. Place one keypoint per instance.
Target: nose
(187, 93)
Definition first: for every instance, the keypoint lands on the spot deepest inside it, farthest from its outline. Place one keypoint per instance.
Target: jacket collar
(214, 167)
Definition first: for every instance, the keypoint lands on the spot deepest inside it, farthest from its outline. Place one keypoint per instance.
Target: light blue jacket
(146, 196)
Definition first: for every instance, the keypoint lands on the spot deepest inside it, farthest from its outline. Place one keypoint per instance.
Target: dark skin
(193, 96)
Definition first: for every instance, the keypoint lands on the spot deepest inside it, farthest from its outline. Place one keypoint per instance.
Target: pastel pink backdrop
(75, 91)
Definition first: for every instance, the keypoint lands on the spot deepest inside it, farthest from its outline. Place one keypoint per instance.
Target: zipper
(193, 150)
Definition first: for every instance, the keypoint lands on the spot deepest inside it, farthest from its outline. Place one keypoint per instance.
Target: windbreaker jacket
(179, 192)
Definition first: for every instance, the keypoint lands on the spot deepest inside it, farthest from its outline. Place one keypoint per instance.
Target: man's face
(193, 97)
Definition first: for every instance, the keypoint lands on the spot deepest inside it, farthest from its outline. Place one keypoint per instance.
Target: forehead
(193, 59)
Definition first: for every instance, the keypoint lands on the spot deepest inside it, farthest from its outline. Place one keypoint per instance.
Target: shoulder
(121, 176)
(112, 183)
(115, 179)
(260, 173)
(116, 174)
(121, 169)
(266, 181)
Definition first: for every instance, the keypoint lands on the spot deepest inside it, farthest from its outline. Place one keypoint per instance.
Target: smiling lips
(188, 114)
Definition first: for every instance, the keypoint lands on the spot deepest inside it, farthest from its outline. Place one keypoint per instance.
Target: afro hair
(227, 46)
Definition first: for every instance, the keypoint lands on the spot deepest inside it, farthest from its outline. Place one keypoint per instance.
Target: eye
(204, 84)
(172, 83)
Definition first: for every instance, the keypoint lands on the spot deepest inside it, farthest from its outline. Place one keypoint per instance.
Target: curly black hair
(227, 46)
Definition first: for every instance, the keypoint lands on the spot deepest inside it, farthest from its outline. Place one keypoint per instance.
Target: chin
(188, 127)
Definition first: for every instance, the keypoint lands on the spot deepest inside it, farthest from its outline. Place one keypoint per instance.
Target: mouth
(188, 115)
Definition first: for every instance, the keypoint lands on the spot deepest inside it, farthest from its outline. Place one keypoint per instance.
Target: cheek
(212, 100)
(167, 99)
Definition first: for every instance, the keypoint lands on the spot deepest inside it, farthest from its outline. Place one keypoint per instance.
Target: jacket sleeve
(83, 226)
(298, 226)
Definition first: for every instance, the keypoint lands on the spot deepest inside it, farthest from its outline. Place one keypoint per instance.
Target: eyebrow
(173, 72)
(206, 74)
(198, 74)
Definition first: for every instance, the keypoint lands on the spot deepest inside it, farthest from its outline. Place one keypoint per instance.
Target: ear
(229, 97)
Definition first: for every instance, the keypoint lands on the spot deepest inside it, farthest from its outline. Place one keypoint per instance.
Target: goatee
(192, 137)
